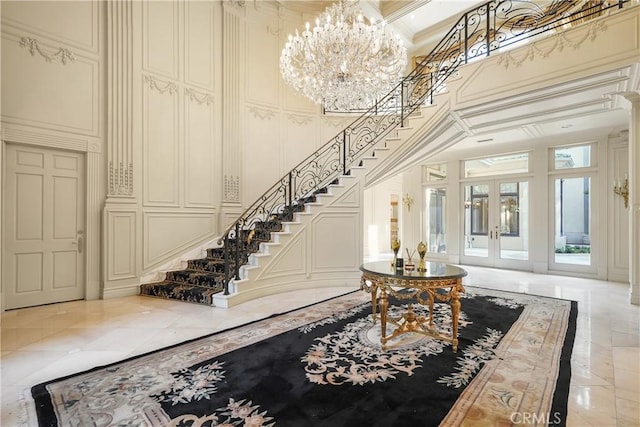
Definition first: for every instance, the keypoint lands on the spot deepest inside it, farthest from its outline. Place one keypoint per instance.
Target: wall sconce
(408, 201)
(622, 190)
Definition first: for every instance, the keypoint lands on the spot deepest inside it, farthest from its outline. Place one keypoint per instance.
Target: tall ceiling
(422, 24)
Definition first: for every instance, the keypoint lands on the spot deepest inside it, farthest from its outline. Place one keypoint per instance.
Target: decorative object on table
(422, 251)
(399, 264)
(395, 247)
(409, 265)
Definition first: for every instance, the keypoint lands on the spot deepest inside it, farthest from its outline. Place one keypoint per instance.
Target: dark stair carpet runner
(204, 277)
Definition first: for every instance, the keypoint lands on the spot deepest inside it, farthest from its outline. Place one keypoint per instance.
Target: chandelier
(343, 63)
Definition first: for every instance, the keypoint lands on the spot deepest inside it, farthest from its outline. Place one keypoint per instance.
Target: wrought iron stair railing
(480, 31)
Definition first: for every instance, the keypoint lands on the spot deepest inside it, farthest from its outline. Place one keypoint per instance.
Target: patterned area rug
(323, 366)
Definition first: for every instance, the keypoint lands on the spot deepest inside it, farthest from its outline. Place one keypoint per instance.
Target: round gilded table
(439, 283)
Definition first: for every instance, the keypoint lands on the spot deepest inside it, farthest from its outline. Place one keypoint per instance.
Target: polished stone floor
(43, 343)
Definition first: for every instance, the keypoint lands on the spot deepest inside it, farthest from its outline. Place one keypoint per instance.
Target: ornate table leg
(384, 306)
(374, 301)
(455, 313)
(431, 298)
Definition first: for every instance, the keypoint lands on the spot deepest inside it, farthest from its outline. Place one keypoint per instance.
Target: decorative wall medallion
(161, 86)
(120, 180)
(560, 42)
(261, 113)
(199, 97)
(300, 120)
(64, 55)
(231, 188)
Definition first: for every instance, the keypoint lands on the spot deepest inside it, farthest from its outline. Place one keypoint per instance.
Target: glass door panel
(476, 220)
(496, 224)
(436, 226)
(514, 220)
(572, 217)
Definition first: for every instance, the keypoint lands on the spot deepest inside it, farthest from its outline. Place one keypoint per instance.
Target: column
(232, 73)
(634, 198)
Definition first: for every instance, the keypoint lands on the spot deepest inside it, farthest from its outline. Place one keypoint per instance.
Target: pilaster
(120, 222)
(232, 69)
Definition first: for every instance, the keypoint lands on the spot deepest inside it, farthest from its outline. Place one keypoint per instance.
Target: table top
(435, 270)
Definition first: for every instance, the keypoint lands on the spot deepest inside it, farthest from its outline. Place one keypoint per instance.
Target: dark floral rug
(323, 366)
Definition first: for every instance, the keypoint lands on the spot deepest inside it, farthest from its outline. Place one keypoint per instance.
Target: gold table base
(409, 322)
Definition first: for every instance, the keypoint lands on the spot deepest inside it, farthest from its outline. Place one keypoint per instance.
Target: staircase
(274, 226)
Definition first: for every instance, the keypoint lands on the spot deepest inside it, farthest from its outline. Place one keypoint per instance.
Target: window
(502, 165)
(434, 172)
(572, 157)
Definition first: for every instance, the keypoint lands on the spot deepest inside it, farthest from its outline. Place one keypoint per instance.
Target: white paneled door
(43, 260)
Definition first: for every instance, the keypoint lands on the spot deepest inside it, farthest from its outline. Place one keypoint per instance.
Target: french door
(496, 224)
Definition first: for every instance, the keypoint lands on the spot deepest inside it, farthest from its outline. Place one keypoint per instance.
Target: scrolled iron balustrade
(489, 27)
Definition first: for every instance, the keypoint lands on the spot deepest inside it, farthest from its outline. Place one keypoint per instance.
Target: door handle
(491, 234)
(79, 242)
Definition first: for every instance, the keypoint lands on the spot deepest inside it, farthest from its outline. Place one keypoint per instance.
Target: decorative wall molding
(335, 121)
(231, 188)
(120, 99)
(161, 86)
(200, 98)
(299, 119)
(560, 42)
(238, 4)
(261, 113)
(121, 179)
(64, 55)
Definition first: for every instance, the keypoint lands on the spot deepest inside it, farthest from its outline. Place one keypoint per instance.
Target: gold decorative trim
(161, 86)
(199, 97)
(64, 55)
(561, 41)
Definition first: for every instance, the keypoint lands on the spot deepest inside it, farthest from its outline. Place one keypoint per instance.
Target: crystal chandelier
(343, 63)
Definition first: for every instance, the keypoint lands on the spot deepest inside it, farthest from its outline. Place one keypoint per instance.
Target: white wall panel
(71, 22)
(262, 165)
(301, 134)
(161, 143)
(200, 149)
(121, 244)
(199, 44)
(289, 261)
(49, 93)
(336, 241)
(262, 70)
(161, 37)
(167, 233)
